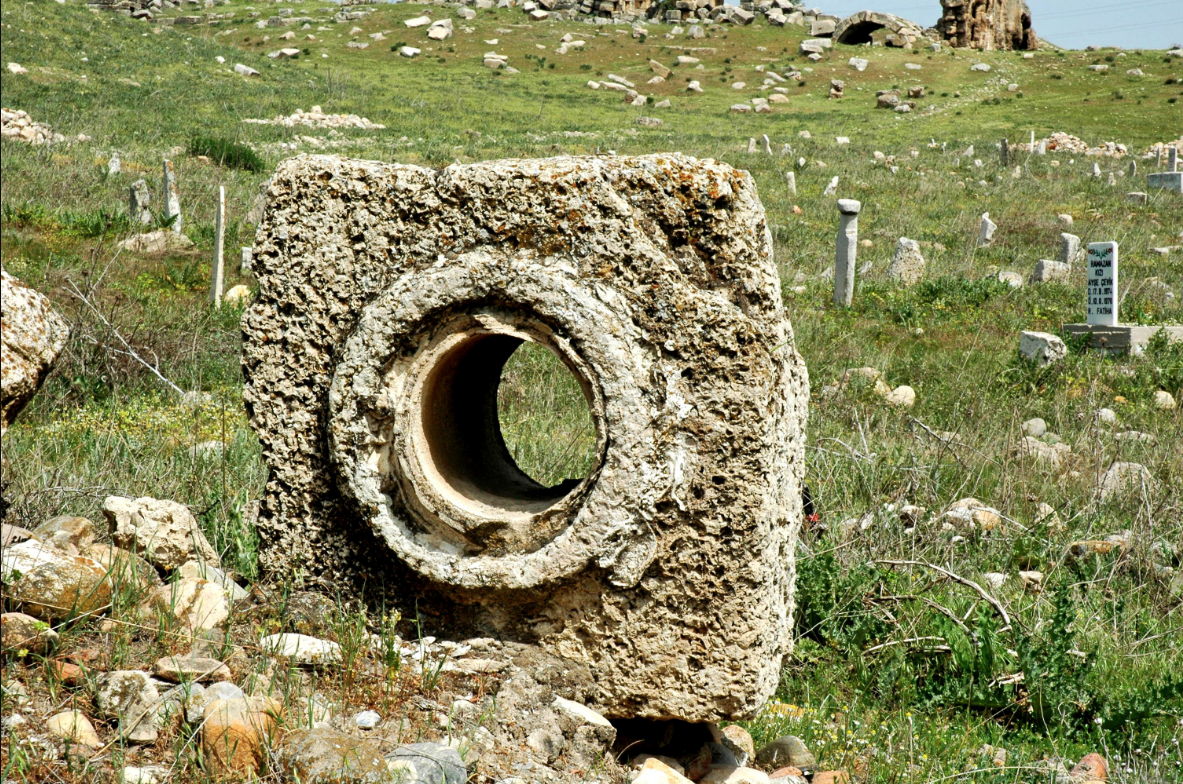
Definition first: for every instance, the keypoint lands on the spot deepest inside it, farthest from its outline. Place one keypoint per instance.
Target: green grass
(104, 424)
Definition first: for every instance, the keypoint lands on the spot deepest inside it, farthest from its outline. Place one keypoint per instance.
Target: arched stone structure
(857, 28)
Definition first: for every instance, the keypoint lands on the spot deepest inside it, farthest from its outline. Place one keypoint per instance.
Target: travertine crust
(31, 338)
(669, 571)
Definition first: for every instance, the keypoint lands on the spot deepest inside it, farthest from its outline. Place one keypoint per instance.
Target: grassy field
(870, 686)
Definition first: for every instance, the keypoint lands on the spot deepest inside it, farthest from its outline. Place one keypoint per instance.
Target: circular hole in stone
(544, 417)
(506, 424)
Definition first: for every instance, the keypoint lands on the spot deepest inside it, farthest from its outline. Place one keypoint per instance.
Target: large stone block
(390, 297)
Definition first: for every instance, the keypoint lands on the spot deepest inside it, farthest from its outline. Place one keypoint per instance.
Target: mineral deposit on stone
(31, 337)
(389, 298)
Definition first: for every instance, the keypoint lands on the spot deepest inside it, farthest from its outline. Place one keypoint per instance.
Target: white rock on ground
(158, 241)
(907, 263)
(1043, 348)
(1048, 271)
(902, 397)
(1164, 401)
(165, 532)
(75, 727)
(190, 605)
(50, 584)
(1126, 479)
(32, 335)
(301, 649)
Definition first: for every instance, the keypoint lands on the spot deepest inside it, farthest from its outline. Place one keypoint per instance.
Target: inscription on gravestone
(1102, 283)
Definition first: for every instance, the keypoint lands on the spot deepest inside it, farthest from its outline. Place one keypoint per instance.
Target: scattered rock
(191, 605)
(739, 741)
(1164, 401)
(730, 774)
(658, 771)
(907, 264)
(203, 571)
(186, 669)
(1043, 348)
(428, 763)
(1034, 427)
(234, 733)
(18, 125)
(323, 755)
(1126, 479)
(1051, 456)
(20, 632)
(71, 534)
(164, 531)
(367, 719)
(131, 697)
(301, 649)
(74, 727)
(902, 396)
(51, 585)
(1047, 271)
(786, 750)
(316, 118)
(160, 241)
(1091, 768)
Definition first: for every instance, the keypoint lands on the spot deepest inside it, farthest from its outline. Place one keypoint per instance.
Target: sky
(1073, 24)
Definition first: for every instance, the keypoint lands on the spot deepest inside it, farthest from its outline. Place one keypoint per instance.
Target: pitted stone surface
(31, 337)
(652, 278)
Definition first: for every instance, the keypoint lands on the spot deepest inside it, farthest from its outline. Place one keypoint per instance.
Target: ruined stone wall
(987, 24)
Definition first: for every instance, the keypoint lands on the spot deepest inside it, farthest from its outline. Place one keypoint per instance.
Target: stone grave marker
(138, 199)
(846, 251)
(986, 232)
(1103, 324)
(1101, 262)
(172, 201)
(217, 279)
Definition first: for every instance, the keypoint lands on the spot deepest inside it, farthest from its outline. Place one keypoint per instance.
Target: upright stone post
(244, 266)
(1172, 159)
(1069, 249)
(138, 199)
(1133, 169)
(1005, 152)
(172, 201)
(751, 145)
(215, 289)
(1102, 284)
(767, 144)
(986, 233)
(845, 252)
(791, 181)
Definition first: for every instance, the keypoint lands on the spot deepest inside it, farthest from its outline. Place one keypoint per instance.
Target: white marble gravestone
(1101, 274)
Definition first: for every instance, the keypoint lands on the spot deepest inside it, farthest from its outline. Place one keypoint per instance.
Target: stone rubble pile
(17, 124)
(1066, 142)
(1158, 148)
(318, 119)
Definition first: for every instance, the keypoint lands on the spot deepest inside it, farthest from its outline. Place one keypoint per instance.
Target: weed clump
(225, 152)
